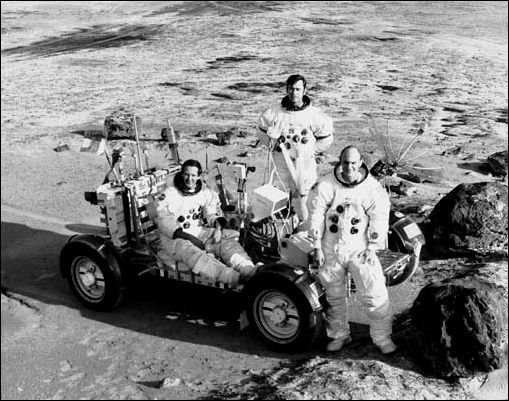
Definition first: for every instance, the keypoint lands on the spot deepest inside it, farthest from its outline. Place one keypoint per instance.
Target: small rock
(202, 134)
(224, 138)
(431, 174)
(65, 366)
(403, 189)
(62, 148)
(170, 382)
(411, 177)
(452, 151)
(238, 132)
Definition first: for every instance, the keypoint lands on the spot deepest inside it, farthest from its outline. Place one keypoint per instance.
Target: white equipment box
(267, 200)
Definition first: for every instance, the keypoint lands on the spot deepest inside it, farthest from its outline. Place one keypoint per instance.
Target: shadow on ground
(96, 37)
(164, 308)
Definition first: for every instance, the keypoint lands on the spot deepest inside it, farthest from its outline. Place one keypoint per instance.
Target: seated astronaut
(192, 228)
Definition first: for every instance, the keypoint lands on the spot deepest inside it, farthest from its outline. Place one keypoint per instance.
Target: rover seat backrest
(125, 205)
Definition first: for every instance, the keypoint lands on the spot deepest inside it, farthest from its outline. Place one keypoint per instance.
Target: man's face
(350, 164)
(296, 92)
(190, 175)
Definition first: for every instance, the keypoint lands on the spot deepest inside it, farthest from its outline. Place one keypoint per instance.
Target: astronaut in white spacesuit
(191, 224)
(348, 222)
(296, 132)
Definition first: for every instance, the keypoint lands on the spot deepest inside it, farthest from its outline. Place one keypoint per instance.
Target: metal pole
(134, 215)
(138, 151)
(173, 143)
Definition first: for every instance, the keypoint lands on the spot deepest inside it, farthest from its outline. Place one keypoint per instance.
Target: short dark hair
(192, 163)
(292, 79)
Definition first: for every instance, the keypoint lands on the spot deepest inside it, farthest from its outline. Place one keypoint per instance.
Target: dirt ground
(214, 66)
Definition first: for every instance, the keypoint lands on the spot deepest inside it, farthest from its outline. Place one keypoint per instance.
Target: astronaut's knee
(372, 303)
(379, 310)
(335, 291)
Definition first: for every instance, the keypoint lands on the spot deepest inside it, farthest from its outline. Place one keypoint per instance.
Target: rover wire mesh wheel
(92, 281)
(282, 317)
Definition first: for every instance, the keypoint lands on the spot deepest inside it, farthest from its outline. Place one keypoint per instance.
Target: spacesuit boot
(380, 322)
(243, 265)
(209, 267)
(229, 276)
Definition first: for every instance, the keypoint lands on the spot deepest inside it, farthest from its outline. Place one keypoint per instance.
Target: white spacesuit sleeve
(320, 202)
(322, 144)
(323, 131)
(270, 125)
(166, 219)
(211, 207)
(377, 209)
(265, 120)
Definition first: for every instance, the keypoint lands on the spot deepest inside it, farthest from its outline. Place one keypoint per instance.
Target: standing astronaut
(296, 132)
(348, 222)
(191, 223)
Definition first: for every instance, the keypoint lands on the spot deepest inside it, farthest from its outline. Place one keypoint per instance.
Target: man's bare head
(296, 89)
(350, 160)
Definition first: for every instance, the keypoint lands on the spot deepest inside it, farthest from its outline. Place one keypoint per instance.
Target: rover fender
(103, 248)
(311, 288)
(282, 306)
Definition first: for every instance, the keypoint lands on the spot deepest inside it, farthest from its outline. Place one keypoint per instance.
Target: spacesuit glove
(274, 130)
(318, 256)
(217, 235)
(319, 158)
(369, 256)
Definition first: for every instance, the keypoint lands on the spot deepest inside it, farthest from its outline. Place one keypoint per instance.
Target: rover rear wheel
(282, 316)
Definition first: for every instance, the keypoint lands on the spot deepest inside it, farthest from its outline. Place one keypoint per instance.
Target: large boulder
(470, 219)
(498, 163)
(461, 322)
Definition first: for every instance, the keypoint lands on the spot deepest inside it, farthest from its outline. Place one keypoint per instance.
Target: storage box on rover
(295, 250)
(267, 200)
